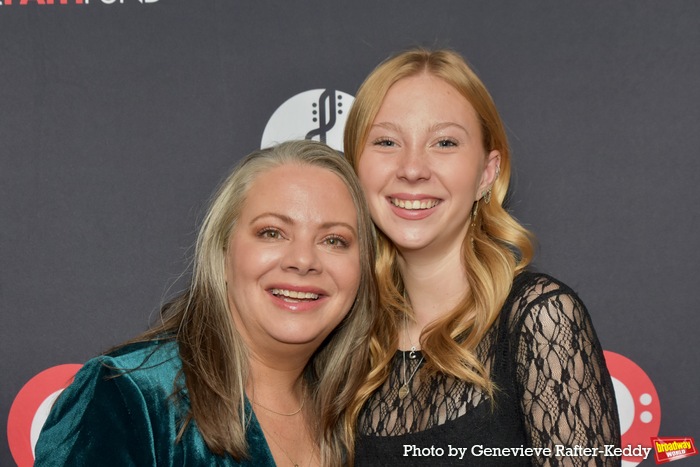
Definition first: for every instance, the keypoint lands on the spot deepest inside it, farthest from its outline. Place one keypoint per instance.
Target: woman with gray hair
(255, 363)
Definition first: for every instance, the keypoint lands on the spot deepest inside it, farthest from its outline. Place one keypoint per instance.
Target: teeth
(294, 294)
(415, 204)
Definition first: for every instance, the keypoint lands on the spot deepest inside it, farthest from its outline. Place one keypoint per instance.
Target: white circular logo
(318, 114)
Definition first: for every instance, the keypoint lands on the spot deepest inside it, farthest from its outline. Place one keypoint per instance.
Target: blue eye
(446, 143)
(387, 143)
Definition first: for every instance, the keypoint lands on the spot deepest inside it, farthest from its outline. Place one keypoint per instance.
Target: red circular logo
(637, 402)
(31, 408)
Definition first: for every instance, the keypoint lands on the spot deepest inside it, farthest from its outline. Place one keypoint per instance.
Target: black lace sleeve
(566, 393)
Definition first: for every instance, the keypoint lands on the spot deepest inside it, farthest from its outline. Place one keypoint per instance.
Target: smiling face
(424, 164)
(293, 259)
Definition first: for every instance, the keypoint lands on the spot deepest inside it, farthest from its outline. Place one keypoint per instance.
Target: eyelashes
(441, 143)
(336, 241)
(447, 143)
(333, 241)
(384, 142)
(269, 233)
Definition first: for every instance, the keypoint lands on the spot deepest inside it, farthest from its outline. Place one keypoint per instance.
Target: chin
(410, 244)
(297, 338)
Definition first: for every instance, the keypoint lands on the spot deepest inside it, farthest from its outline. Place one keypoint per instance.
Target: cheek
(248, 261)
(372, 185)
(355, 284)
(356, 279)
(461, 180)
(369, 173)
(228, 262)
(347, 274)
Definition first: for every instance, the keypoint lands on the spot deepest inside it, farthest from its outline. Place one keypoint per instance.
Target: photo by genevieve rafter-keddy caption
(557, 451)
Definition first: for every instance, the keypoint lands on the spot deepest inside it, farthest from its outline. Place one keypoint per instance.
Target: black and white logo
(317, 114)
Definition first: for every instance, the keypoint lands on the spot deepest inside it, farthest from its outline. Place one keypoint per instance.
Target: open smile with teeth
(294, 295)
(414, 204)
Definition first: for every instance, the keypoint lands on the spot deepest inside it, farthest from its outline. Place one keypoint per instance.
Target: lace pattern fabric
(542, 353)
(566, 391)
(430, 401)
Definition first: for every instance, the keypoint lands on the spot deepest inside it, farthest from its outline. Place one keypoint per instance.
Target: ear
(488, 176)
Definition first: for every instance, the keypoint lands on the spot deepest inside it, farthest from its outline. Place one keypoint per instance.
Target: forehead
(425, 93)
(303, 191)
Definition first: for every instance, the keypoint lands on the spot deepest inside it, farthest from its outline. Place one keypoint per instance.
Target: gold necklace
(404, 389)
(412, 352)
(284, 450)
(303, 401)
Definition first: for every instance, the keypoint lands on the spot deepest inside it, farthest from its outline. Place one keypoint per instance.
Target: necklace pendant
(412, 353)
(403, 391)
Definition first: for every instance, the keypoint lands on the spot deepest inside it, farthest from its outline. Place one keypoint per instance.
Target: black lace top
(554, 393)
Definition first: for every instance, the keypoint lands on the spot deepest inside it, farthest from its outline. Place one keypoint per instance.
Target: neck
(435, 284)
(275, 389)
(276, 384)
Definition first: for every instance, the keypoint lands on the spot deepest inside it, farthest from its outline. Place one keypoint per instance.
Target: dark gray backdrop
(118, 120)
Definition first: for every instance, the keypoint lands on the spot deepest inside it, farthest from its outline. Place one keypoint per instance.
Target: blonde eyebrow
(328, 225)
(289, 220)
(386, 125)
(432, 129)
(282, 217)
(443, 125)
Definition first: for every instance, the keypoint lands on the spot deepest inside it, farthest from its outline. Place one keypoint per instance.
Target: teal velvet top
(120, 411)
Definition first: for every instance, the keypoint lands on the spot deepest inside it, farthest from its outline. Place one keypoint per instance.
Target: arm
(100, 419)
(566, 393)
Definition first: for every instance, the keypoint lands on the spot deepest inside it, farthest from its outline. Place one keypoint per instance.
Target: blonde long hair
(214, 357)
(494, 251)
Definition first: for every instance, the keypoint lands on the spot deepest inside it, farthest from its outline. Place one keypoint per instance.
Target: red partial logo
(672, 449)
(638, 405)
(31, 408)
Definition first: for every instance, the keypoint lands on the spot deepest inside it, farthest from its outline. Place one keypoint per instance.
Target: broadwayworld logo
(671, 449)
(68, 2)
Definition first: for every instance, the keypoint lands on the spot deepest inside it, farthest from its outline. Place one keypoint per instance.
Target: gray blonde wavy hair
(215, 359)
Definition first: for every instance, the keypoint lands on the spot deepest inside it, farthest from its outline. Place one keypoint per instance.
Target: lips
(297, 297)
(413, 207)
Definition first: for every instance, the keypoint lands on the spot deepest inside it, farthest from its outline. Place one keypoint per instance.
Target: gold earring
(475, 211)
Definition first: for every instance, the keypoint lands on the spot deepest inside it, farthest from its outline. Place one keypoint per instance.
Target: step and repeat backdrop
(119, 117)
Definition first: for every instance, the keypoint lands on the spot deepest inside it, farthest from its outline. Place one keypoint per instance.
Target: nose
(302, 257)
(413, 165)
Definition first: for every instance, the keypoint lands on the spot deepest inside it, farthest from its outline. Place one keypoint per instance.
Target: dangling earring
(475, 211)
(487, 196)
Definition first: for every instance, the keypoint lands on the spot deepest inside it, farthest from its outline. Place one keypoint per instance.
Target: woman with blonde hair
(257, 361)
(474, 351)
